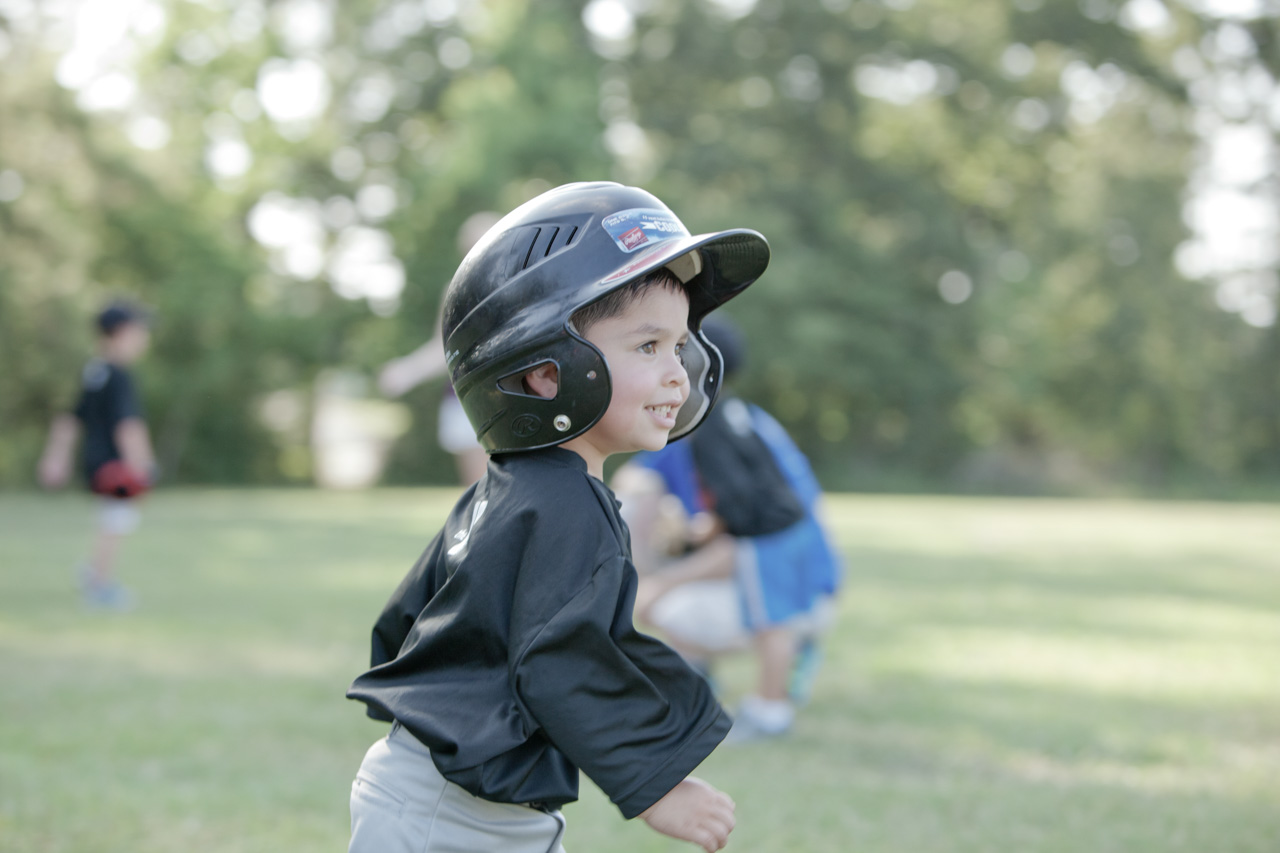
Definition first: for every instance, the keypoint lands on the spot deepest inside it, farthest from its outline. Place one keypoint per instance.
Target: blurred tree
(974, 209)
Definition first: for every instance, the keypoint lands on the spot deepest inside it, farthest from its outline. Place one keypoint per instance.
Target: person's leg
(701, 619)
(102, 558)
(116, 519)
(379, 800)
(775, 649)
(768, 711)
(713, 561)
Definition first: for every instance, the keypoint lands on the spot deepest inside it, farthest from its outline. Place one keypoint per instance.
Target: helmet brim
(729, 261)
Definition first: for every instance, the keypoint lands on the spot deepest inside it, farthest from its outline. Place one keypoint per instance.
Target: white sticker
(642, 226)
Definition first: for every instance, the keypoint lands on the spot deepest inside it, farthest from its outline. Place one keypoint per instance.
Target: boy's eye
(649, 348)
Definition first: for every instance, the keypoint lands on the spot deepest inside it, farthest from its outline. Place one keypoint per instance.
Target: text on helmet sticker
(642, 226)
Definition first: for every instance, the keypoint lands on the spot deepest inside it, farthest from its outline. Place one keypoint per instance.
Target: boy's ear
(543, 380)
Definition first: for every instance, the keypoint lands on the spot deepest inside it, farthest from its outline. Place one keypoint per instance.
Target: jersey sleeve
(400, 613)
(622, 706)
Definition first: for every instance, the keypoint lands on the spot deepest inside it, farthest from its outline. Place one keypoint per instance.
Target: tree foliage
(974, 208)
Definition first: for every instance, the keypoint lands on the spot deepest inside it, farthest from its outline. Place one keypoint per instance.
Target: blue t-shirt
(801, 557)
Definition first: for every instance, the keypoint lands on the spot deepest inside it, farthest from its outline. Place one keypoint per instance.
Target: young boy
(117, 459)
(507, 659)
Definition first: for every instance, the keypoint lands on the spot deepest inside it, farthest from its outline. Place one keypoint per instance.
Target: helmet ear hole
(540, 381)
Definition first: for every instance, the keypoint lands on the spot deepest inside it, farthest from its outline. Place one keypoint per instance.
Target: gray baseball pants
(401, 804)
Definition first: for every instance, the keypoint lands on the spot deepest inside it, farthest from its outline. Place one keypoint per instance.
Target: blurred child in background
(400, 375)
(453, 430)
(117, 459)
(730, 549)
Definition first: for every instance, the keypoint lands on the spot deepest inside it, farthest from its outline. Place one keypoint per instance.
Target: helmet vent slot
(528, 255)
(543, 242)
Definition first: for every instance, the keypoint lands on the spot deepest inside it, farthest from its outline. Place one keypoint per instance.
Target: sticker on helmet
(642, 226)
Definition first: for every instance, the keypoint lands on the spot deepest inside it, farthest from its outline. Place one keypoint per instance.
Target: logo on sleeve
(462, 537)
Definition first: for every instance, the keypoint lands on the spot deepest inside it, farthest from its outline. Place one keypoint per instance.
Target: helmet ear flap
(705, 367)
(518, 418)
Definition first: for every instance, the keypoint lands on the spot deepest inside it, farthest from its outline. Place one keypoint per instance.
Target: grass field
(1004, 676)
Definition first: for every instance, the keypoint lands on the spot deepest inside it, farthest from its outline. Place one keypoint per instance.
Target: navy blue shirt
(107, 397)
(509, 649)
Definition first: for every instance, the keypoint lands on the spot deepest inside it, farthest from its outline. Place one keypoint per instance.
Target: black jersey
(509, 649)
(107, 397)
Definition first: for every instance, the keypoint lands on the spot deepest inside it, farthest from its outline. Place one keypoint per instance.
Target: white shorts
(401, 804)
(708, 615)
(119, 517)
(705, 614)
(453, 430)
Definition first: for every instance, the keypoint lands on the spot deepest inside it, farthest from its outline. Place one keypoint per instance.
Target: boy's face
(642, 347)
(127, 344)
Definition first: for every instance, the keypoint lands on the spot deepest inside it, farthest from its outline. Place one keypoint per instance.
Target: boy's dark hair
(615, 302)
(119, 314)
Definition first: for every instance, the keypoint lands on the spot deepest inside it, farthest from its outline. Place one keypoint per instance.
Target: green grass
(1004, 676)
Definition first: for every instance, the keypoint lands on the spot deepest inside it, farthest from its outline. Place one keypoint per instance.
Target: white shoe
(758, 719)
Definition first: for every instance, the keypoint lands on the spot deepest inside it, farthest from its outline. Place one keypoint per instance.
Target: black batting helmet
(509, 306)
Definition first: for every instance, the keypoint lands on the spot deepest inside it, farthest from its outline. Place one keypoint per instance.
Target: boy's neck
(111, 355)
(595, 462)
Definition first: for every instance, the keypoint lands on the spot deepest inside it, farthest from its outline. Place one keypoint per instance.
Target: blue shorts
(783, 576)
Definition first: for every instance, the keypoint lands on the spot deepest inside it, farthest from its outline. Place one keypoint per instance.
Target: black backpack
(745, 486)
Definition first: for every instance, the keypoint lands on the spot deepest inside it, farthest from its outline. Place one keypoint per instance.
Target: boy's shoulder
(539, 469)
(102, 378)
(555, 485)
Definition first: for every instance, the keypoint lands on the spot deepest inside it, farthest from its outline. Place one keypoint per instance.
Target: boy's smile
(642, 348)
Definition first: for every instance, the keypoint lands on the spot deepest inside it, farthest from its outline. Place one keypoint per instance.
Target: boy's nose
(676, 373)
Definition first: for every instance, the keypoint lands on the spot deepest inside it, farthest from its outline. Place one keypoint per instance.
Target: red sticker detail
(633, 238)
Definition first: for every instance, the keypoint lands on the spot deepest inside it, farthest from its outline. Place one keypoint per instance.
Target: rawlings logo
(525, 426)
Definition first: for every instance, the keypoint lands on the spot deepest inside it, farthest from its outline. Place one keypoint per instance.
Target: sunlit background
(1018, 247)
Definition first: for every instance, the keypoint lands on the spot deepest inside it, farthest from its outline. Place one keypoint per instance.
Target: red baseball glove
(117, 480)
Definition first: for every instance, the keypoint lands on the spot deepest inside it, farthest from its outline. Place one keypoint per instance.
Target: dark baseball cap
(727, 337)
(118, 314)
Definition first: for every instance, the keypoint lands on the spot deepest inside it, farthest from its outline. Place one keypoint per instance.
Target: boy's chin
(656, 443)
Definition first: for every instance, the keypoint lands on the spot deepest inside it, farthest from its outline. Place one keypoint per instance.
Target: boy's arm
(134, 443)
(55, 463)
(402, 374)
(623, 707)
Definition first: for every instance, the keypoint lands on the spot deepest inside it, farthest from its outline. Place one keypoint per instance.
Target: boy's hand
(54, 472)
(55, 462)
(693, 811)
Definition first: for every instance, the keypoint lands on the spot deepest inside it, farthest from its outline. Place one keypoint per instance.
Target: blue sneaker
(804, 670)
(108, 596)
